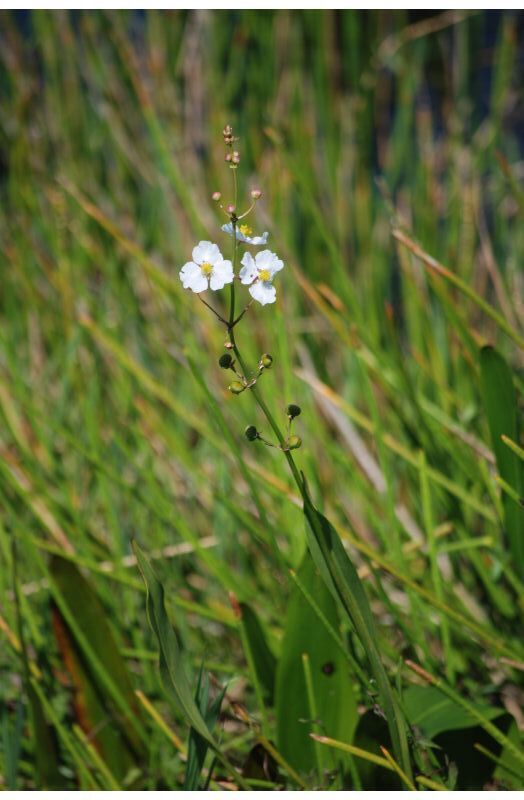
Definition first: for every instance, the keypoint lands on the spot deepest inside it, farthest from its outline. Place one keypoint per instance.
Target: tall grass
(389, 151)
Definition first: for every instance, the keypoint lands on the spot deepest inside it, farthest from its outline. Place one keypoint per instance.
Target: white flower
(208, 268)
(259, 272)
(243, 234)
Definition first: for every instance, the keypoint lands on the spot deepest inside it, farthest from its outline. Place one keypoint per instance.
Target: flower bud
(216, 196)
(225, 361)
(228, 157)
(256, 194)
(235, 158)
(228, 345)
(228, 130)
(236, 387)
(230, 208)
(294, 442)
(251, 433)
(293, 410)
(266, 361)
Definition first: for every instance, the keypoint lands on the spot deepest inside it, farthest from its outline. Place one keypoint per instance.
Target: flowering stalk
(235, 254)
(209, 270)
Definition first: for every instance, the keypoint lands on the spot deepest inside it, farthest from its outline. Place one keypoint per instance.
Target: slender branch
(235, 252)
(265, 441)
(224, 321)
(267, 413)
(241, 314)
(250, 209)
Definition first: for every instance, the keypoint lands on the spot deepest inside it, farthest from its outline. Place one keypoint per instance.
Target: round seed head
(235, 387)
(294, 442)
(225, 360)
(293, 410)
(251, 433)
(266, 361)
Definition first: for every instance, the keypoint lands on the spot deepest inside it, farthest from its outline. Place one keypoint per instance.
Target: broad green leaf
(508, 771)
(341, 577)
(46, 754)
(500, 403)
(92, 708)
(198, 746)
(432, 712)
(264, 660)
(171, 667)
(46, 746)
(104, 697)
(334, 699)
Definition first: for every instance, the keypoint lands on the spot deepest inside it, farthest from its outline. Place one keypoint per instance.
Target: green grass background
(370, 134)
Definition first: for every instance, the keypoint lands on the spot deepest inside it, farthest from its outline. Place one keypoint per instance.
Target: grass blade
(171, 667)
(500, 403)
(456, 281)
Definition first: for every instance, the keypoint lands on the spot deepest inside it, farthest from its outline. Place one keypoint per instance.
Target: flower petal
(276, 265)
(188, 272)
(192, 278)
(256, 240)
(206, 252)
(249, 271)
(222, 274)
(253, 240)
(264, 292)
(264, 259)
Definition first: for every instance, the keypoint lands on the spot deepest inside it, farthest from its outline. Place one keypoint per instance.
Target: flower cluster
(210, 270)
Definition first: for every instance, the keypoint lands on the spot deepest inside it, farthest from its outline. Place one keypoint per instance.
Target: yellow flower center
(264, 275)
(206, 268)
(245, 230)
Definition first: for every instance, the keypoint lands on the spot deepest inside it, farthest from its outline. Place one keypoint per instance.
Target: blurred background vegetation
(371, 134)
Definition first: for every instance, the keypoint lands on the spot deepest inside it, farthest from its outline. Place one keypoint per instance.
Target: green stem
(270, 418)
(235, 255)
(348, 597)
(393, 712)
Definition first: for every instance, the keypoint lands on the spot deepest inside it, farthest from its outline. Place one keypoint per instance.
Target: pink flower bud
(256, 194)
(235, 158)
(228, 157)
(216, 196)
(230, 208)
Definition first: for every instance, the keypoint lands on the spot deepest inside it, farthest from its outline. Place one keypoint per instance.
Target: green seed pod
(236, 387)
(294, 442)
(251, 433)
(225, 360)
(266, 361)
(293, 410)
